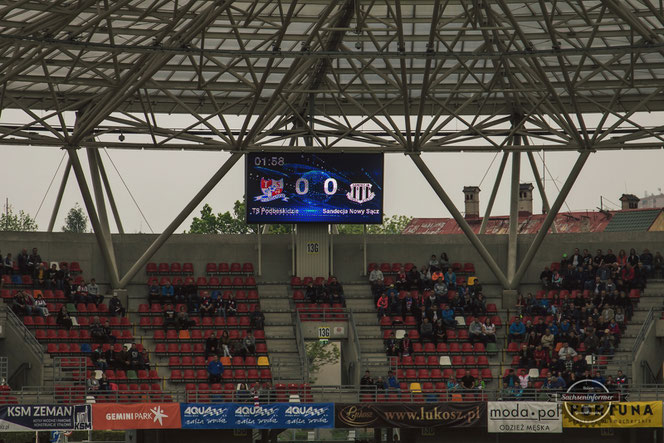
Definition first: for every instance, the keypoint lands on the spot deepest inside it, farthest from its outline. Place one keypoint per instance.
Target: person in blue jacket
(215, 370)
(517, 330)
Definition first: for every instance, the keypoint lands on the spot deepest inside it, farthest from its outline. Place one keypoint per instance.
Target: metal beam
(98, 191)
(58, 198)
(514, 213)
(198, 198)
(463, 224)
(539, 238)
(109, 194)
(494, 192)
(540, 187)
(92, 214)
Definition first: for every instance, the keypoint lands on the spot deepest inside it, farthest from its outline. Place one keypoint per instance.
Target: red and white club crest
(272, 189)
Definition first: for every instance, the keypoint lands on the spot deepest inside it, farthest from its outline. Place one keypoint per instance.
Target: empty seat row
(240, 321)
(236, 362)
(233, 268)
(178, 349)
(73, 335)
(204, 282)
(201, 334)
(172, 269)
(229, 374)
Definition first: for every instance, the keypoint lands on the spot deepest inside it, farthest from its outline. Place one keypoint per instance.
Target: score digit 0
(302, 186)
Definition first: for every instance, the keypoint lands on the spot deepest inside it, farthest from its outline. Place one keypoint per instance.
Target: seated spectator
(225, 342)
(207, 307)
(115, 306)
(249, 344)
(434, 264)
(170, 318)
(391, 345)
(311, 293)
(82, 294)
(92, 384)
(257, 319)
(134, 357)
(440, 288)
(215, 370)
(405, 347)
(183, 320)
(63, 319)
(154, 294)
(40, 276)
(144, 360)
(8, 265)
(335, 289)
(391, 382)
(450, 279)
(367, 382)
(167, 293)
(94, 295)
(475, 332)
(621, 380)
(439, 332)
(546, 277)
(489, 330)
(467, 381)
(566, 352)
(40, 306)
(99, 359)
(658, 265)
(447, 315)
(23, 303)
(211, 345)
(4, 387)
(104, 383)
(230, 306)
(97, 331)
(517, 330)
(511, 379)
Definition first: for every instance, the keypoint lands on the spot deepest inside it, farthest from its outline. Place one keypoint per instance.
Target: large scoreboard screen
(314, 188)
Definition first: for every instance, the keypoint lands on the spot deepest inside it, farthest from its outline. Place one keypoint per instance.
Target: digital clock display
(314, 188)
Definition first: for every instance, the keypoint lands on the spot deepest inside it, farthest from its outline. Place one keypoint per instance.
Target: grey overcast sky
(162, 182)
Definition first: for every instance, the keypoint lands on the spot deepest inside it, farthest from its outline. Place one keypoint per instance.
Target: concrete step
(279, 331)
(274, 291)
(277, 346)
(361, 305)
(276, 304)
(278, 319)
(357, 291)
(368, 331)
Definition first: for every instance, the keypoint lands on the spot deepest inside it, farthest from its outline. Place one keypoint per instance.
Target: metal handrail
(642, 332)
(301, 346)
(305, 393)
(355, 340)
(28, 337)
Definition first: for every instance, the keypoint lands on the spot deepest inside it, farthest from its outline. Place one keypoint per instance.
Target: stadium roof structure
(510, 76)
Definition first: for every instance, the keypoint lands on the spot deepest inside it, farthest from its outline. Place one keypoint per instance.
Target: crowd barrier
(495, 416)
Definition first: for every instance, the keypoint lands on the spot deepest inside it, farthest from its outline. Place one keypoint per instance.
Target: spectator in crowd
(183, 320)
(249, 344)
(104, 383)
(4, 387)
(206, 307)
(23, 303)
(382, 305)
(154, 293)
(115, 306)
(658, 264)
(225, 343)
(22, 260)
(475, 332)
(134, 357)
(92, 384)
(621, 380)
(517, 330)
(511, 378)
(211, 345)
(94, 294)
(391, 382)
(144, 359)
(40, 306)
(34, 260)
(98, 358)
(489, 330)
(170, 318)
(257, 319)
(63, 319)
(468, 381)
(367, 381)
(230, 306)
(167, 293)
(215, 370)
(376, 280)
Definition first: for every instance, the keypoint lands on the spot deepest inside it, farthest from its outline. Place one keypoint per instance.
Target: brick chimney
(472, 201)
(629, 201)
(526, 199)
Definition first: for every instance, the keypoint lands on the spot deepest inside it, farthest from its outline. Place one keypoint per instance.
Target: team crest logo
(360, 193)
(272, 190)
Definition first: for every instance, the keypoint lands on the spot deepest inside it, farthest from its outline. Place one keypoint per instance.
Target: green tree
(391, 225)
(76, 220)
(319, 354)
(228, 223)
(9, 221)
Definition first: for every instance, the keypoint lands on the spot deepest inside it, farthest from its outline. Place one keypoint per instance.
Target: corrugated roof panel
(633, 221)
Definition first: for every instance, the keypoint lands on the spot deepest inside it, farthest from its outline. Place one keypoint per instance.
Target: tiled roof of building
(633, 221)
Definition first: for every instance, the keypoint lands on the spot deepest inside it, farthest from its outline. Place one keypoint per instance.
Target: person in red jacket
(628, 275)
(382, 304)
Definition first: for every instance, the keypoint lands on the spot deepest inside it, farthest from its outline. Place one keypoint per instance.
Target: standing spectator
(23, 262)
(170, 318)
(211, 345)
(115, 306)
(215, 370)
(377, 282)
(658, 264)
(8, 264)
(34, 260)
(382, 305)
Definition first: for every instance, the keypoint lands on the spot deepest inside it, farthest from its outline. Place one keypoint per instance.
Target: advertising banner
(107, 416)
(44, 418)
(524, 417)
(429, 415)
(637, 414)
(247, 416)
